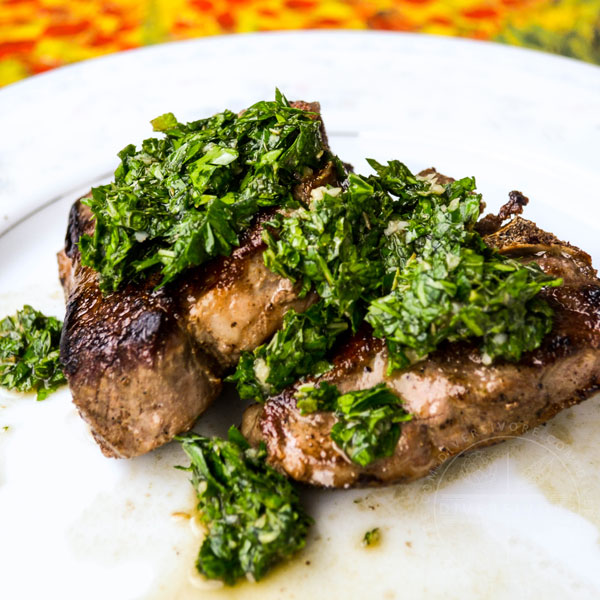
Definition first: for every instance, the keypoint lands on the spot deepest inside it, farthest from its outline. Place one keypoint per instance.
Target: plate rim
(37, 86)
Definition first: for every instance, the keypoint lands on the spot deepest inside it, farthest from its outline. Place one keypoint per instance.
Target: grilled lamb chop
(143, 364)
(456, 401)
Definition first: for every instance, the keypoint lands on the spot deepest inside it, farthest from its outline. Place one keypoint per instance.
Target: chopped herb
(448, 285)
(297, 349)
(5, 428)
(399, 251)
(372, 538)
(183, 199)
(29, 352)
(368, 421)
(333, 246)
(253, 515)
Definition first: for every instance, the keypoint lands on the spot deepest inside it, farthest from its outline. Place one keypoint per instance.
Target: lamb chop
(144, 362)
(457, 401)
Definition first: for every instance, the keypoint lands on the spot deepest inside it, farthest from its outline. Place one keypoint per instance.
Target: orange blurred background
(39, 35)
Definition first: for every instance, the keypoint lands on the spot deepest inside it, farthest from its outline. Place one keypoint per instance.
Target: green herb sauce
(400, 252)
(252, 514)
(368, 421)
(178, 201)
(29, 352)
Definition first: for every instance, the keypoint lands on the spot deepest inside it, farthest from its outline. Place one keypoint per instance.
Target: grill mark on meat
(456, 400)
(144, 363)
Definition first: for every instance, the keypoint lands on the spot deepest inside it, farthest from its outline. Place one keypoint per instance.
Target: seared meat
(143, 364)
(456, 400)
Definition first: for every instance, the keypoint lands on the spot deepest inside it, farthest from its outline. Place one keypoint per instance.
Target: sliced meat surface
(456, 401)
(144, 363)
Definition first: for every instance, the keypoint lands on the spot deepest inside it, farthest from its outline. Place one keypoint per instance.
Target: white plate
(516, 521)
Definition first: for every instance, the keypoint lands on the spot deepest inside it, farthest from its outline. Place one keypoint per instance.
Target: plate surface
(519, 520)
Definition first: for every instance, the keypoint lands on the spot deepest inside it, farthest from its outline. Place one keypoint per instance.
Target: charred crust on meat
(492, 223)
(357, 352)
(558, 345)
(80, 221)
(133, 325)
(327, 175)
(437, 177)
(519, 232)
(591, 295)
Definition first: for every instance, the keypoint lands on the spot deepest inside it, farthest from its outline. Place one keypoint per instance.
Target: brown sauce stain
(560, 431)
(572, 436)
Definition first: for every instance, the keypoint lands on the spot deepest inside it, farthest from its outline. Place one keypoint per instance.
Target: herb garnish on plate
(252, 513)
(29, 352)
(372, 538)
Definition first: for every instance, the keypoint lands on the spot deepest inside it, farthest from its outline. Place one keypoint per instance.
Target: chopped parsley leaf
(367, 421)
(252, 514)
(29, 352)
(372, 538)
(401, 252)
(297, 349)
(178, 201)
